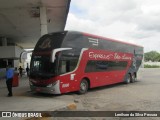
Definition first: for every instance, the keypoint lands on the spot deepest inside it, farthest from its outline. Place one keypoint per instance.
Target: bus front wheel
(83, 86)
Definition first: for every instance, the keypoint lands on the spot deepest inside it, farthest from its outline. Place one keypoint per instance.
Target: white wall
(16, 63)
(10, 51)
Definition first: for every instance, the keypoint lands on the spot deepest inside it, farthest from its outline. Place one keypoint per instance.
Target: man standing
(27, 70)
(20, 71)
(9, 79)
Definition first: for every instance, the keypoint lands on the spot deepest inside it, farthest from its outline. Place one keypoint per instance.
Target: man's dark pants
(9, 86)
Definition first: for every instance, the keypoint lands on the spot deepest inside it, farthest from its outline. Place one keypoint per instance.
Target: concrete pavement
(142, 95)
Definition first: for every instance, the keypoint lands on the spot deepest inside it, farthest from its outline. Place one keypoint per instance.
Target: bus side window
(102, 65)
(67, 66)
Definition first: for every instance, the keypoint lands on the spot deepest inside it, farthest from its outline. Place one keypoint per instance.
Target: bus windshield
(42, 65)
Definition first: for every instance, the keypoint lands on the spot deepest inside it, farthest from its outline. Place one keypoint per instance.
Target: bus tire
(135, 74)
(128, 79)
(83, 86)
(133, 78)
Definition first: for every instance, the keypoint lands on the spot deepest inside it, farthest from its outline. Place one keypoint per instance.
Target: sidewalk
(24, 100)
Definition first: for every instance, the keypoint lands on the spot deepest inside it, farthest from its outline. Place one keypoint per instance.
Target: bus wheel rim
(83, 86)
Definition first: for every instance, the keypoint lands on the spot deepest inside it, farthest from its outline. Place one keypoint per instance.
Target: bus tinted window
(116, 46)
(42, 64)
(66, 66)
(74, 41)
(50, 41)
(101, 66)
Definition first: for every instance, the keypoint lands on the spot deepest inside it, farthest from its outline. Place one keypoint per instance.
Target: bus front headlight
(53, 84)
(49, 85)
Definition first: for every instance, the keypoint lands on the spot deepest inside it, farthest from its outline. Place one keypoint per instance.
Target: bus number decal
(72, 76)
(93, 41)
(65, 85)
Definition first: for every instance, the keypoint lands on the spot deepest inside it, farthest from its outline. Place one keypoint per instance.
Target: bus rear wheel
(133, 78)
(128, 79)
(83, 86)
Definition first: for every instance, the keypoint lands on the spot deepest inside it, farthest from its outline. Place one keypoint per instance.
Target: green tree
(152, 56)
(158, 58)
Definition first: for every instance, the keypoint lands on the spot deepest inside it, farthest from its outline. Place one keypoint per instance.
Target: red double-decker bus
(75, 61)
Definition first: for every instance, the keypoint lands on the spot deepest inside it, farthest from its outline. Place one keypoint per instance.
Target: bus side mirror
(22, 54)
(53, 56)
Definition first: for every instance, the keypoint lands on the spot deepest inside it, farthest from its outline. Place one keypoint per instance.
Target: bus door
(67, 76)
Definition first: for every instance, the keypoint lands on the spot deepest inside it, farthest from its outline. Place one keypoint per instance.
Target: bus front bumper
(50, 89)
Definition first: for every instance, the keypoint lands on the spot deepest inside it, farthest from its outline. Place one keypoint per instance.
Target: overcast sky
(134, 21)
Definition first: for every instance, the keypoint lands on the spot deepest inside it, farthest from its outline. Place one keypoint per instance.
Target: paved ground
(142, 95)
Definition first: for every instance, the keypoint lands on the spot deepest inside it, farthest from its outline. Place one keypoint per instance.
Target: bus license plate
(38, 89)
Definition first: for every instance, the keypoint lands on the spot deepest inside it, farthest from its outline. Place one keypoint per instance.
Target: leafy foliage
(151, 66)
(152, 56)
